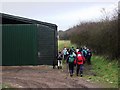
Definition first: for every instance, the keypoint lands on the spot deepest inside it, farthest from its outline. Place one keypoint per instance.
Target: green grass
(5, 86)
(0, 86)
(106, 71)
(65, 43)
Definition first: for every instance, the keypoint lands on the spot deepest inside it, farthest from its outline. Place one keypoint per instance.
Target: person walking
(64, 52)
(79, 61)
(59, 58)
(72, 48)
(77, 49)
(84, 52)
(71, 59)
(89, 54)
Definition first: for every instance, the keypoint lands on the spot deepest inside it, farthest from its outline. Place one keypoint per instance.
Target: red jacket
(80, 58)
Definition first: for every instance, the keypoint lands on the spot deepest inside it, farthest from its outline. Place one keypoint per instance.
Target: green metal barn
(28, 42)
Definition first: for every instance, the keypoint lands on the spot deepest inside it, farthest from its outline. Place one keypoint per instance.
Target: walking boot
(71, 75)
(81, 73)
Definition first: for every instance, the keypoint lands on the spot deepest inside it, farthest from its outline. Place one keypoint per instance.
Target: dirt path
(42, 77)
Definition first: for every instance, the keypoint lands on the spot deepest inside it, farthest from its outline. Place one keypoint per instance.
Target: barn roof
(11, 19)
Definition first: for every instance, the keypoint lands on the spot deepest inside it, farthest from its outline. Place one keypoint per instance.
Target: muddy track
(17, 82)
(23, 83)
(41, 77)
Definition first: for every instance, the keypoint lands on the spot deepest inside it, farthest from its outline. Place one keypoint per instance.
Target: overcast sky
(64, 14)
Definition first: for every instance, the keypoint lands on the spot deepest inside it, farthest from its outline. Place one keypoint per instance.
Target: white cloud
(65, 15)
(58, 0)
(88, 14)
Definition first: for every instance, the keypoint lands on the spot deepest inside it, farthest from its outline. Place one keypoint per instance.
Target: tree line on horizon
(101, 36)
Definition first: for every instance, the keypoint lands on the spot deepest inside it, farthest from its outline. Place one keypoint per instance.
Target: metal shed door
(46, 45)
(19, 46)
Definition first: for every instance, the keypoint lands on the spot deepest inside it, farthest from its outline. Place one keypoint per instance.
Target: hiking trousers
(71, 68)
(59, 62)
(79, 69)
(65, 57)
(89, 60)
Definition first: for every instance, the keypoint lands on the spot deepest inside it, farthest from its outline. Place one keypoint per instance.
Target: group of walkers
(74, 58)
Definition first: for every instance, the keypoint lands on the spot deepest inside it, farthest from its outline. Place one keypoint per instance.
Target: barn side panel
(46, 45)
(19, 44)
(0, 44)
(56, 45)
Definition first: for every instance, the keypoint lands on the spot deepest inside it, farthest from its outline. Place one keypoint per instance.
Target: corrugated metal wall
(46, 45)
(19, 44)
(0, 44)
(28, 44)
(56, 45)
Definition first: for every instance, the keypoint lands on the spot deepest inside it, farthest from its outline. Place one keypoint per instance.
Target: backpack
(59, 56)
(79, 57)
(65, 52)
(71, 58)
(89, 53)
(84, 53)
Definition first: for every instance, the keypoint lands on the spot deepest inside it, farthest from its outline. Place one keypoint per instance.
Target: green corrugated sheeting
(0, 44)
(46, 44)
(19, 44)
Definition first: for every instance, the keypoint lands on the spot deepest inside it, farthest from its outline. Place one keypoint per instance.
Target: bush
(101, 37)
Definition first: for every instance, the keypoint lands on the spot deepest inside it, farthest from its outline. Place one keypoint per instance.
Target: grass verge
(5, 86)
(104, 71)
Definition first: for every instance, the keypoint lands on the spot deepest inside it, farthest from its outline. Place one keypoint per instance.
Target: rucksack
(65, 52)
(59, 56)
(71, 58)
(84, 53)
(79, 57)
(89, 53)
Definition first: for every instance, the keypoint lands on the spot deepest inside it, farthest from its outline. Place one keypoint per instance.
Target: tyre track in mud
(23, 83)
(66, 81)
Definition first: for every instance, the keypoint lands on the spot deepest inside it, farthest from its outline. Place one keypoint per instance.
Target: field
(65, 43)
